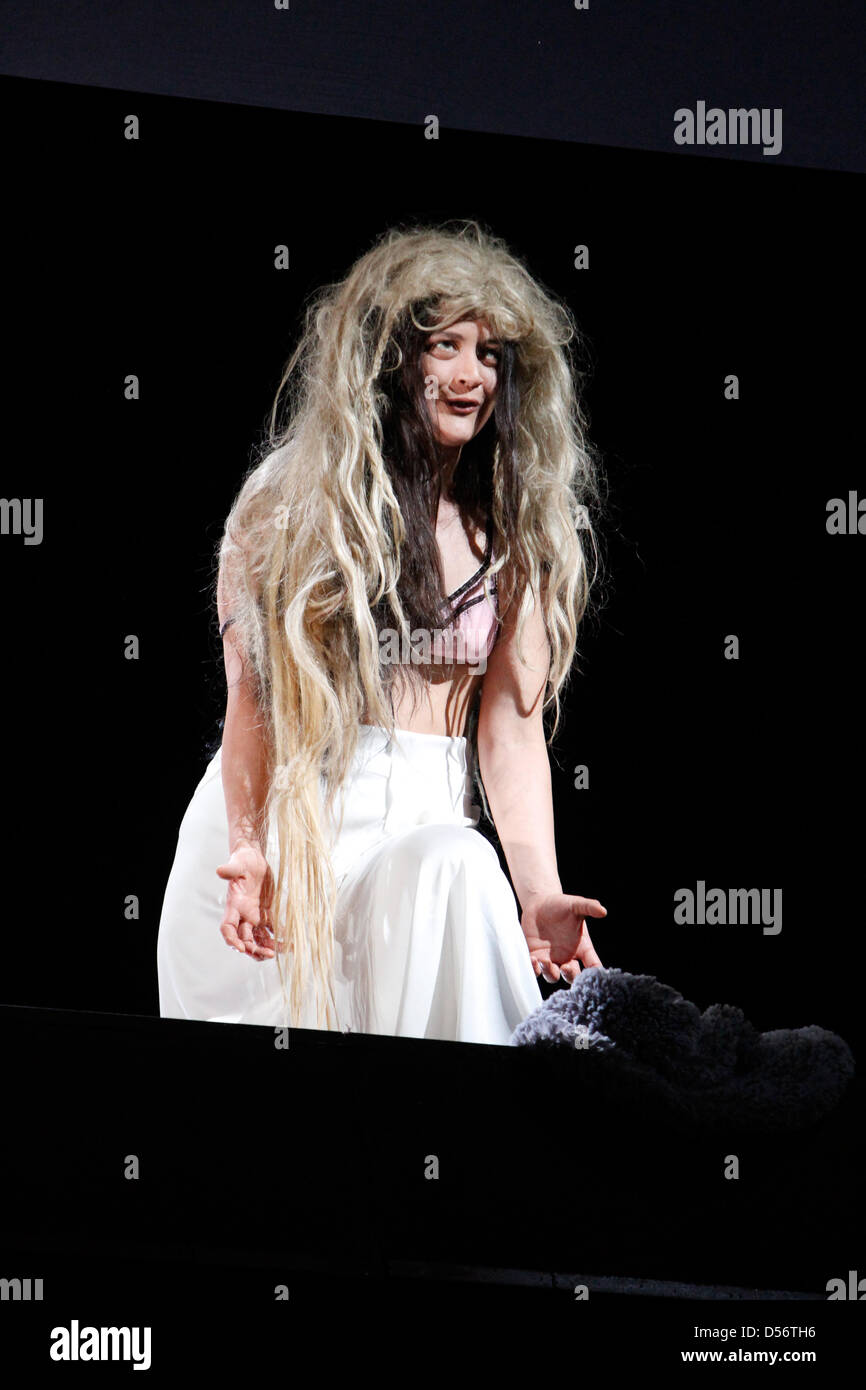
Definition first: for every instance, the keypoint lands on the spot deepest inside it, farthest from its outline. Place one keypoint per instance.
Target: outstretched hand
(249, 899)
(554, 925)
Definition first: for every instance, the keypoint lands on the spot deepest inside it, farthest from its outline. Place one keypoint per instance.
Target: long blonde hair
(332, 531)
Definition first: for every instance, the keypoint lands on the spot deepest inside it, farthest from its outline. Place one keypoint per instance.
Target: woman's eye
(450, 342)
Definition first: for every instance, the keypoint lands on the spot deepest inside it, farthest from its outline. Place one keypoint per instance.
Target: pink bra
(471, 633)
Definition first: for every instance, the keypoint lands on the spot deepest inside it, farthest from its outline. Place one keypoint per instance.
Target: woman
(434, 446)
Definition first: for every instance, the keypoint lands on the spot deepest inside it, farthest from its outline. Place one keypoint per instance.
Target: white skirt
(428, 943)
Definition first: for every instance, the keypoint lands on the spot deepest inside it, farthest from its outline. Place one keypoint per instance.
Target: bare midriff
(442, 704)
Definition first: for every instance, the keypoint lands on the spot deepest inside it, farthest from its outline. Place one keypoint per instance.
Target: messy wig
(331, 538)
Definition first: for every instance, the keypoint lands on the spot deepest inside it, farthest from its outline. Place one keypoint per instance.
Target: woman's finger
(229, 934)
(264, 936)
(235, 928)
(588, 907)
(545, 968)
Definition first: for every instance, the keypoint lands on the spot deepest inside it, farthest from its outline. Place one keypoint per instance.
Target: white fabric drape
(427, 939)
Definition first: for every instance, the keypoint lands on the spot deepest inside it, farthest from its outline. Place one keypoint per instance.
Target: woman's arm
(515, 770)
(513, 758)
(249, 897)
(244, 760)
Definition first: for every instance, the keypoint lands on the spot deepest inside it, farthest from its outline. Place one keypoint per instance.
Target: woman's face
(460, 364)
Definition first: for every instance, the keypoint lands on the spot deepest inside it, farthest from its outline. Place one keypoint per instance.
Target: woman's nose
(467, 372)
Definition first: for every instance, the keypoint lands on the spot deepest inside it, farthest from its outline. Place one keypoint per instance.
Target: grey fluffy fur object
(713, 1067)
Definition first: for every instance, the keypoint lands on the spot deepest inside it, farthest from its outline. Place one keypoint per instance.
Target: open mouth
(463, 407)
